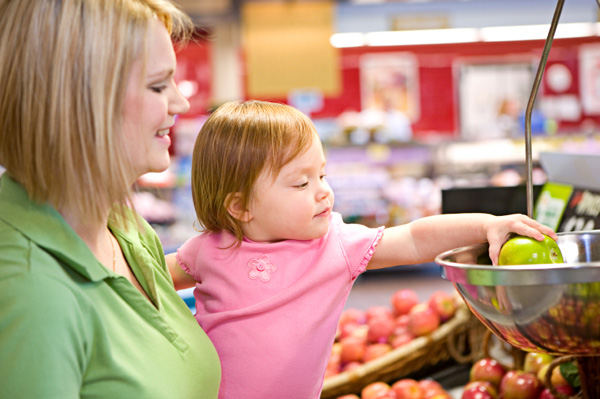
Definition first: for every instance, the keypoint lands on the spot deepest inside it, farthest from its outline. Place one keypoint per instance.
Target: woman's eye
(158, 89)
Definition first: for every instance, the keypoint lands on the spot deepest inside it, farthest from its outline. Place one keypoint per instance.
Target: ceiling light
(462, 35)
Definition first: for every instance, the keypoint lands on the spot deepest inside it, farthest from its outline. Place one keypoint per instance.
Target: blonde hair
(63, 81)
(237, 142)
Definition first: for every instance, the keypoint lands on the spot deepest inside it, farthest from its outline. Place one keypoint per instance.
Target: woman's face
(151, 102)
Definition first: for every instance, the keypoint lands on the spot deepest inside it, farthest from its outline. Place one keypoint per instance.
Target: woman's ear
(235, 207)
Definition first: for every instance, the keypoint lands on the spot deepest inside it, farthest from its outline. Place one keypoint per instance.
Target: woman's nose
(179, 104)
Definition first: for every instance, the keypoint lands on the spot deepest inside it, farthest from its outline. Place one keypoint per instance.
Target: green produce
(520, 250)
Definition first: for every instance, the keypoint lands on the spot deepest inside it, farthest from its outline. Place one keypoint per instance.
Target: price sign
(551, 204)
(582, 212)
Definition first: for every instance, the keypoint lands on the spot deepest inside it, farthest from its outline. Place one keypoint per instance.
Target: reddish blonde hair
(237, 143)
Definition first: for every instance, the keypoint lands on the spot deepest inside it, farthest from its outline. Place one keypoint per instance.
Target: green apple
(521, 250)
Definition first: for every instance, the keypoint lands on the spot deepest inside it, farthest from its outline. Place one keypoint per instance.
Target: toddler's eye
(303, 185)
(323, 176)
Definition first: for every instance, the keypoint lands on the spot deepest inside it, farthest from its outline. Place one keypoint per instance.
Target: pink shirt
(271, 309)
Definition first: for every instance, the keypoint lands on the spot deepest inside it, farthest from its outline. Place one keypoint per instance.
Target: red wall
(437, 76)
(439, 92)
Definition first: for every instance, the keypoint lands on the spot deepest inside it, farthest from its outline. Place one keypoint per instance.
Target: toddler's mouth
(163, 132)
(326, 212)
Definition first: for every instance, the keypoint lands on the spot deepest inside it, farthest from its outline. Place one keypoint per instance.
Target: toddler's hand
(498, 230)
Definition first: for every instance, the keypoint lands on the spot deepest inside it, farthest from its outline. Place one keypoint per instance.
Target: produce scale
(553, 309)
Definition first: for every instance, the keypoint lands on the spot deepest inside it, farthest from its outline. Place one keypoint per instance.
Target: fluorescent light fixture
(463, 35)
(535, 32)
(425, 36)
(340, 40)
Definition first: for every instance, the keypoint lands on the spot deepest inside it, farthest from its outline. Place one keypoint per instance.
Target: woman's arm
(181, 279)
(422, 240)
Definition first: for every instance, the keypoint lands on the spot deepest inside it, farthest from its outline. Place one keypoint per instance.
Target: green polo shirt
(70, 328)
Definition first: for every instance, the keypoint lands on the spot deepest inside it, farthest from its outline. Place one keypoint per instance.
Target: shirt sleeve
(43, 342)
(186, 256)
(358, 243)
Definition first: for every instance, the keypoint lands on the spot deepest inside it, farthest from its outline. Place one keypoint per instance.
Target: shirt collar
(42, 224)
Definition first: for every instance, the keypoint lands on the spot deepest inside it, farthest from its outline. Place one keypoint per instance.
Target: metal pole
(529, 110)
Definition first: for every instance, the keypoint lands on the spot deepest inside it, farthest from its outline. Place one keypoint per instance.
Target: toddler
(274, 265)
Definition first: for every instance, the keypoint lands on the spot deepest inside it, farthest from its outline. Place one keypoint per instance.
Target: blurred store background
(420, 106)
(412, 99)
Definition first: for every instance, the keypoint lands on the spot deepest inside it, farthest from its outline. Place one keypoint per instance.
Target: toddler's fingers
(541, 228)
(494, 253)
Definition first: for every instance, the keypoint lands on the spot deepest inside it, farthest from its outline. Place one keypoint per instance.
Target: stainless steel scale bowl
(553, 308)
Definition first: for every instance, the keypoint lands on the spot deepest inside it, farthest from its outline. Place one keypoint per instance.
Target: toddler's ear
(235, 207)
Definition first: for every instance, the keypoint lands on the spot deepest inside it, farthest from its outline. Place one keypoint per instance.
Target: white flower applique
(261, 267)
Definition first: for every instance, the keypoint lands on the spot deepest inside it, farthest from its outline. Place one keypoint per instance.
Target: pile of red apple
(490, 380)
(405, 388)
(364, 335)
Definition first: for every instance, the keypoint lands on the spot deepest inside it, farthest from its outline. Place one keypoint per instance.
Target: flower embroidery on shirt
(261, 267)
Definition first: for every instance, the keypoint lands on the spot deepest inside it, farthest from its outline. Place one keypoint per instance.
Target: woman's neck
(94, 234)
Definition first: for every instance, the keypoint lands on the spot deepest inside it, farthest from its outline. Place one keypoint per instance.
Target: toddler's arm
(180, 278)
(423, 239)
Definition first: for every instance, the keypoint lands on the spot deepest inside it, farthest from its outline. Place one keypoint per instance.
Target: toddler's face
(295, 206)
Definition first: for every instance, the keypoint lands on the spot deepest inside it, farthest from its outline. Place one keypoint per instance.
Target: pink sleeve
(358, 243)
(186, 256)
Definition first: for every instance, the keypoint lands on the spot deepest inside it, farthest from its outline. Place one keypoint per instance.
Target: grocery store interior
(420, 106)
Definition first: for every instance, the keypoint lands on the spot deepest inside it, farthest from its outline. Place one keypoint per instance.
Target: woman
(87, 305)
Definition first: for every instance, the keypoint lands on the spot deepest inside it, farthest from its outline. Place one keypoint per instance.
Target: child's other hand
(499, 228)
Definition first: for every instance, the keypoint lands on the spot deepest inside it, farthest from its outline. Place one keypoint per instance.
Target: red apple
(351, 366)
(352, 349)
(477, 392)
(402, 321)
(380, 329)
(534, 361)
(360, 332)
(335, 360)
(347, 329)
(485, 385)
(422, 320)
(375, 390)
(430, 388)
(407, 388)
(373, 351)
(443, 303)
(403, 300)
(489, 370)
(564, 389)
(378, 311)
(518, 384)
(398, 340)
(352, 315)
(331, 371)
